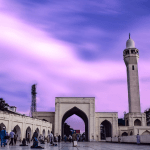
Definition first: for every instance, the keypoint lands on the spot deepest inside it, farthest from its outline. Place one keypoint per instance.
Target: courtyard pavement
(83, 146)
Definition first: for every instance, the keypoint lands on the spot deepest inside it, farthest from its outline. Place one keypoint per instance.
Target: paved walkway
(84, 146)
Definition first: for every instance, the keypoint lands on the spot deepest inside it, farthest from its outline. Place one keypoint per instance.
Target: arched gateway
(82, 107)
(79, 113)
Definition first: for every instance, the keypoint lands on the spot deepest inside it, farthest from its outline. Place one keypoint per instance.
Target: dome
(130, 43)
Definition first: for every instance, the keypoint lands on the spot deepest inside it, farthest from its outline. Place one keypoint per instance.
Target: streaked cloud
(70, 48)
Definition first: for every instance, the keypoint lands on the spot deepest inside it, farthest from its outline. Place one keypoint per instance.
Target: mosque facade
(84, 107)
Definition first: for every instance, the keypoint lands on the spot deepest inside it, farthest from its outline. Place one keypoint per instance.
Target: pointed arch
(79, 113)
(124, 134)
(17, 131)
(48, 132)
(28, 130)
(146, 133)
(137, 122)
(38, 131)
(131, 133)
(106, 129)
(1, 126)
(43, 133)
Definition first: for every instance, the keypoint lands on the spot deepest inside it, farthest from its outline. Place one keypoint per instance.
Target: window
(132, 67)
(133, 51)
(127, 52)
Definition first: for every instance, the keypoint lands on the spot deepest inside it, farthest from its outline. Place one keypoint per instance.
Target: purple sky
(72, 49)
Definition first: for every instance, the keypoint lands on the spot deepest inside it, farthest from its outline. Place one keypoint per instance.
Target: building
(99, 125)
(20, 123)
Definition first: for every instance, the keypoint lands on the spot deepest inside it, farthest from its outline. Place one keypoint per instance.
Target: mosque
(84, 107)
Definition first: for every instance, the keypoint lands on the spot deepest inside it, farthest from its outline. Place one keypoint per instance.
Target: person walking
(59, 138)
(15, 138)
(12, 137)
(51, 137)
(7, 135)
(70, 138)
(2, 136)
(74, 137)
(138, 139)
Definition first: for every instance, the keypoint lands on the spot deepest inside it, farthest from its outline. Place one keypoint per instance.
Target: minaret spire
(129, 35)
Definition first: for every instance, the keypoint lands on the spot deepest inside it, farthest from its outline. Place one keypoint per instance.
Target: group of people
(4, 136)
(74, 137)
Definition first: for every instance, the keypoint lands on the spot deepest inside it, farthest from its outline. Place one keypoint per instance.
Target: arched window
(43, 133)
(146, 133)
(48, 132)
(1, 126)
(137, 122)
(132, 67)
(131, 133)
(124, 134)
(17, 131)
(127, 123)
(37, 129)
(28, 131)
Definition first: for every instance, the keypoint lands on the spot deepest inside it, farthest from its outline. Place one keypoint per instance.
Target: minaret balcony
(131, 52)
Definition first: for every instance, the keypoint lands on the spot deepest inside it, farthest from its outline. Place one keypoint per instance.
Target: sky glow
(72, 49)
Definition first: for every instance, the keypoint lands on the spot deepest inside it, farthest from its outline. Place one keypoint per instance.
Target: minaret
(131, 56)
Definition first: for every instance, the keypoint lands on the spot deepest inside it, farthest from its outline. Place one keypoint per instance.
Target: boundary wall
(144, 139)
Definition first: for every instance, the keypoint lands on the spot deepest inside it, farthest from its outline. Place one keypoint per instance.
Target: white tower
(131, 56)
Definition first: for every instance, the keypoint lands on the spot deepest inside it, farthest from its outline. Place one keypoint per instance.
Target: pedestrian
(59, 138)
(65, 138)
(12, 137)
(70, 138)
(15, 138)
(2, 136)
(35, 144)
(23, 142)
(7, 137)
(28, 138)
(77, 137)
(138, 139)
(119, 139)
(35, 134)
(51, 137)
(83, 137)
(74, 137)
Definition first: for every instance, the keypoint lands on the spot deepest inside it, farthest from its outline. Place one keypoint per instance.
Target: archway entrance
(79, 113)
(28, 130)
(43, 133)
(105, 129)
(37, 129)
(17, 131)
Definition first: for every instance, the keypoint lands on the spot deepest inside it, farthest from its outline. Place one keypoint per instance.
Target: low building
(22, 124)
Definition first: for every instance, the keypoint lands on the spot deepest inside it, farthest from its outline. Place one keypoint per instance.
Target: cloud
(68, 54)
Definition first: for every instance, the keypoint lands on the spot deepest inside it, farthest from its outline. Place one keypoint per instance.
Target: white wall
(12, 120)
